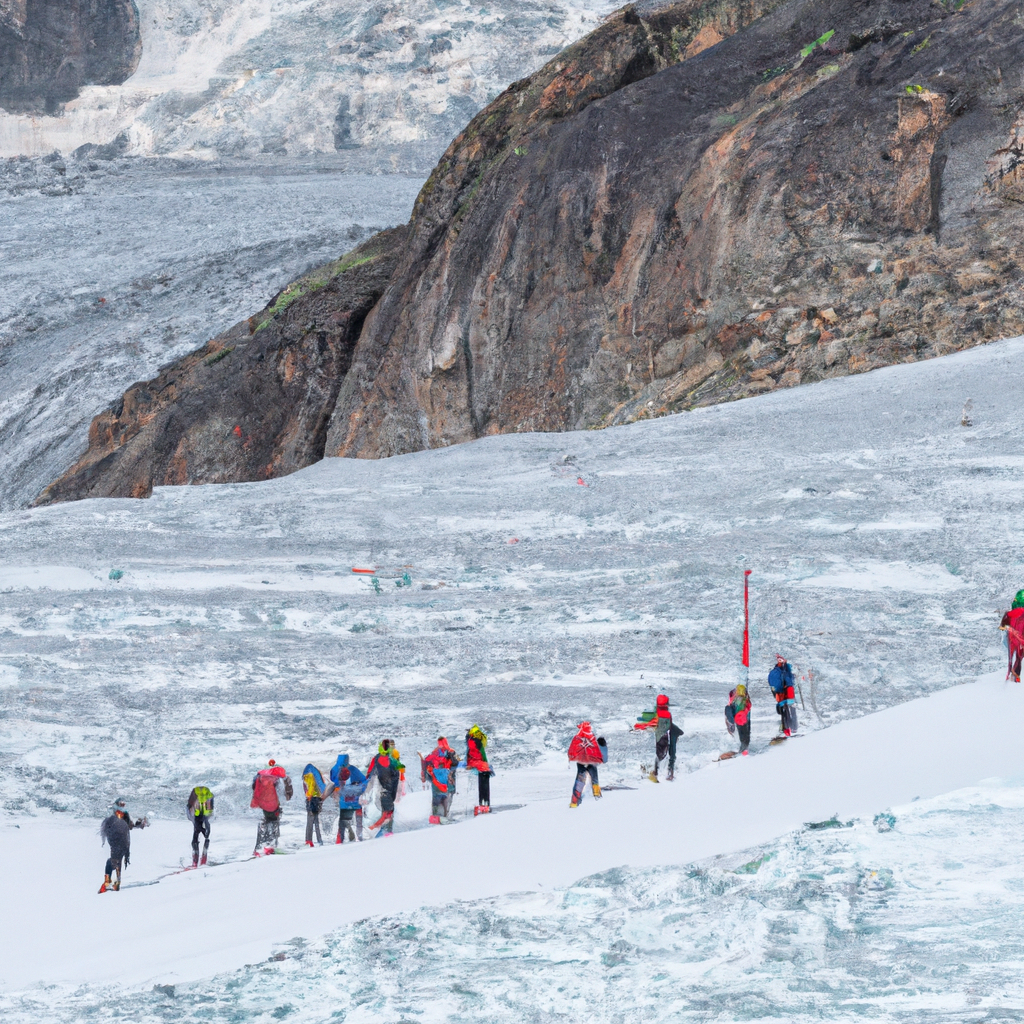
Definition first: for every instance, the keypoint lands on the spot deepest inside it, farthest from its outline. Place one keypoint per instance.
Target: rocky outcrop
(693, 204)
(251, 404)
(49, 49)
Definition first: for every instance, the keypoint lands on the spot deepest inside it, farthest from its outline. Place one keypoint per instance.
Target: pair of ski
(775, 741)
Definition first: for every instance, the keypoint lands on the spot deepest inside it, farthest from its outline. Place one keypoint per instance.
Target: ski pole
(800, 690)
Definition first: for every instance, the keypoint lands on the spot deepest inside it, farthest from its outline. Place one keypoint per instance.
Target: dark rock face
(251, 404)
(49, 49)
(765, 213)
(697, 204)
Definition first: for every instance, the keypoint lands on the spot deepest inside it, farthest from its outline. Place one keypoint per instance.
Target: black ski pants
(483, 782)
(744, 731)
(200, 827)
(345, 816)
(269, 830)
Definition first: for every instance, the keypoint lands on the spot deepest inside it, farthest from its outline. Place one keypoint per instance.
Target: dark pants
(730, 719)
(269, 831)
(789, 717)
(200, 827)
(483, 781)
(582, 771)
(345, 816)
(744, 731)
(114, 863)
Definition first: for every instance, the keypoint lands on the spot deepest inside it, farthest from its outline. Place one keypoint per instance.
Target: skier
(200, 809)
(439, 768)
(740, 707)
(476, 761)
(780, 679)
(1013, 625)
(665, 735)
(587, 753)
(386, 771)
(271, 787)
(116, 832)
(350, 784)
(313, 786)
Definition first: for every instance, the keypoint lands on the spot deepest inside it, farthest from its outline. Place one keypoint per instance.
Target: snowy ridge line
(195, 925)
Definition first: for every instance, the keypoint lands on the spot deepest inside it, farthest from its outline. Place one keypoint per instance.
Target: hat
(662, 700)
(271, 763)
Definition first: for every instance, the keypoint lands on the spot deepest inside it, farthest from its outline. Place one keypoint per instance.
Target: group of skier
(384, 779)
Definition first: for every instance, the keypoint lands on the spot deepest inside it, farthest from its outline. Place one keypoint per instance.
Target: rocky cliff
(49, 49)
(694, 204)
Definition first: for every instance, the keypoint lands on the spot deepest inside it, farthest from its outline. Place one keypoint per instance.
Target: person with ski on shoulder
(350, 784)
(587, 752)
(271, 787)
(200, 810)
(780, 679)
(438, 767)
(1012, 624)
(116, 832)
(665, 735)
(476, 761)
(739, 706)
(313, 786)
(386, 771)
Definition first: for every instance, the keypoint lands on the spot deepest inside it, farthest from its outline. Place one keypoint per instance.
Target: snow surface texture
(836, 920)
(252, 78)
(127, 268)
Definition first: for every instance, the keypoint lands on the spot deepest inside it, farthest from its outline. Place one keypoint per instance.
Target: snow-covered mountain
(385, 82)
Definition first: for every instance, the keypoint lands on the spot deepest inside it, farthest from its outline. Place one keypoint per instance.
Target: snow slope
(199, 923)
(252, 78)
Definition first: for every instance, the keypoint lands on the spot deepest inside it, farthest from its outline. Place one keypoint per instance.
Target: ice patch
(915, 579)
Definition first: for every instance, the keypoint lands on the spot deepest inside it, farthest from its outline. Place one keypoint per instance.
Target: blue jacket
(352, 786)
(780, 678)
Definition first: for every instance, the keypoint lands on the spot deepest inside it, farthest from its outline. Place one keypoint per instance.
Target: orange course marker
(369, 571)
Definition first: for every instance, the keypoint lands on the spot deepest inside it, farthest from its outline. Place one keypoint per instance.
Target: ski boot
(481, 809)
(106, 883)
(268, 850)
(653, 776)
(116, 884)
(435, 819)
(597, 791)
(195, 859)
(202, 860)
(671, 774)
(309, 843)
(574, 802)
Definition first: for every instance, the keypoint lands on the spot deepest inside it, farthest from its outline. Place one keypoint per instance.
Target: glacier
(526, 582)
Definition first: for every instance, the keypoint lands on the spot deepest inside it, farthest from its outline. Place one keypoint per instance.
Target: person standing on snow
(780, 679)
(116, 832)
(350, 784)
(386, 771)
(200, 810)
(587, 753)
(271, 787)
(313, 786)
(476, 761)
(740, 707)
(665, 735)
(439, 768)
(1013, 625)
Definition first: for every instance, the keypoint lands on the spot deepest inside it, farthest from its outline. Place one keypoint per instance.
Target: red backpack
(264, 792)
(584, 748)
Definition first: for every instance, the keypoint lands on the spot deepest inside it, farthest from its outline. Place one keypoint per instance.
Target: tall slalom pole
(746, 624)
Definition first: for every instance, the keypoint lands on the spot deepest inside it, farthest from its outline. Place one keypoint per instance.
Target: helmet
(120, 805)
(662, 700)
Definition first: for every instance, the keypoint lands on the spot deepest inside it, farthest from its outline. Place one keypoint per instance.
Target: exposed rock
(251, 404)
(691, 205)
(49, 49)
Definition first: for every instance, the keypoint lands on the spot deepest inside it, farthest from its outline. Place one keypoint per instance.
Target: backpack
(201, 802)
(584, 748)
(264, 792)
(1018, 601)
(312, 781)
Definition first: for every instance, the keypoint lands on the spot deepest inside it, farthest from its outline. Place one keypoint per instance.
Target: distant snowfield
(146, 646)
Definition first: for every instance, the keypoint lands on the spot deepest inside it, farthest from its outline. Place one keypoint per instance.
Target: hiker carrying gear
(350, 784)
(1012, 624)
(438, 767)
(386, 771)
(780, 679)
(271, 787)
(115, 831)
(665, 735)
(476, 761)
(587, 751)
(200, 810)
(739, 706)
(314, 788)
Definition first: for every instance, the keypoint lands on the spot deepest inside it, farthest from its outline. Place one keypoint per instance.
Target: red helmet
(662, 700)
